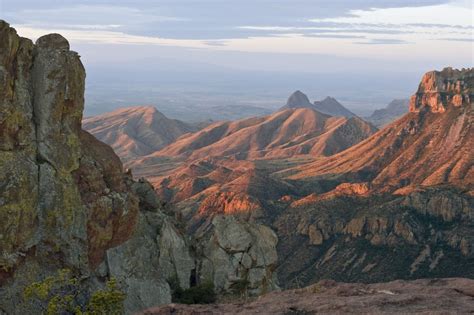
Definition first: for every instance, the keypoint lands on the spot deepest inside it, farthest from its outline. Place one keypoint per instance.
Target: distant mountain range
(285, 133)
(136, 131)
(395, 109)
(334, 188)
(329, 105)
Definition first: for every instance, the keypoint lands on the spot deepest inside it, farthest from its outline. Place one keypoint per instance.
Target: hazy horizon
(185, 55)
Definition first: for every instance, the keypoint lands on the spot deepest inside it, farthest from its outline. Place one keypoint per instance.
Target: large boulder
(237, 256)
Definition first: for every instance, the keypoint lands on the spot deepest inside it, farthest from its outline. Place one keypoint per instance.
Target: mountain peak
(439, 90)
(420, 149)
(298, 99)
(329, 99)
(331, 106)
(135, 131)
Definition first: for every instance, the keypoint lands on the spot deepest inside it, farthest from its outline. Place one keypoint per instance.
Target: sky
(372, 38)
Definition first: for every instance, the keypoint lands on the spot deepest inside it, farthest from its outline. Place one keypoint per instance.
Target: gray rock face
(235, 252)
(175, 258)
(135, 264)
(156, 253)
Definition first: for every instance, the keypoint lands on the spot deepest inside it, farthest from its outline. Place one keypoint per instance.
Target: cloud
(359, 28)
(443, 14)
(383, 41)
(457, 39)
(334, 36)
(335, 28)
(187, 19)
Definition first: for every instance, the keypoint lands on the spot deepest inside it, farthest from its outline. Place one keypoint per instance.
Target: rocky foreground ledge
(427, 296)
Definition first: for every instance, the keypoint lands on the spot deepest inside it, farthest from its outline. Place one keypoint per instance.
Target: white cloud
(107, 37)
(445, 14)
(411, 33)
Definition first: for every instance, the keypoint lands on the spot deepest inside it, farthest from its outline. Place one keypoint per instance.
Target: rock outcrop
(355, 238)
(407, 189)
(440, 90)
(64, 199)
(238, 256)
(156, 254)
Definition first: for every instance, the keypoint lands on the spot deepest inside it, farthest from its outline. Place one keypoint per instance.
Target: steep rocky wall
(64, 199)
(234, 252)
(441, 89)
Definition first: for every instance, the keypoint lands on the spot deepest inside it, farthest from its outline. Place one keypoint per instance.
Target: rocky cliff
(440, 90)
(64, 197)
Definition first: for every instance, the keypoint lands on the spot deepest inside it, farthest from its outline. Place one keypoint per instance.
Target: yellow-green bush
(62, 294)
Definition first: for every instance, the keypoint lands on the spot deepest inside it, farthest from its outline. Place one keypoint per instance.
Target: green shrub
(201, 294)
(62, 294)
(108, 301)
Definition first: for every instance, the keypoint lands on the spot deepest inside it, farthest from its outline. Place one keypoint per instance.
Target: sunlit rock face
(440, 89)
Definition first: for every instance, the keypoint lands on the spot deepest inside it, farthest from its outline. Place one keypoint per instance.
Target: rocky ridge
(286, 133)
(136, 131)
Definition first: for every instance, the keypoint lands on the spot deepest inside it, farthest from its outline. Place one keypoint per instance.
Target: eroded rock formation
(439, 90)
